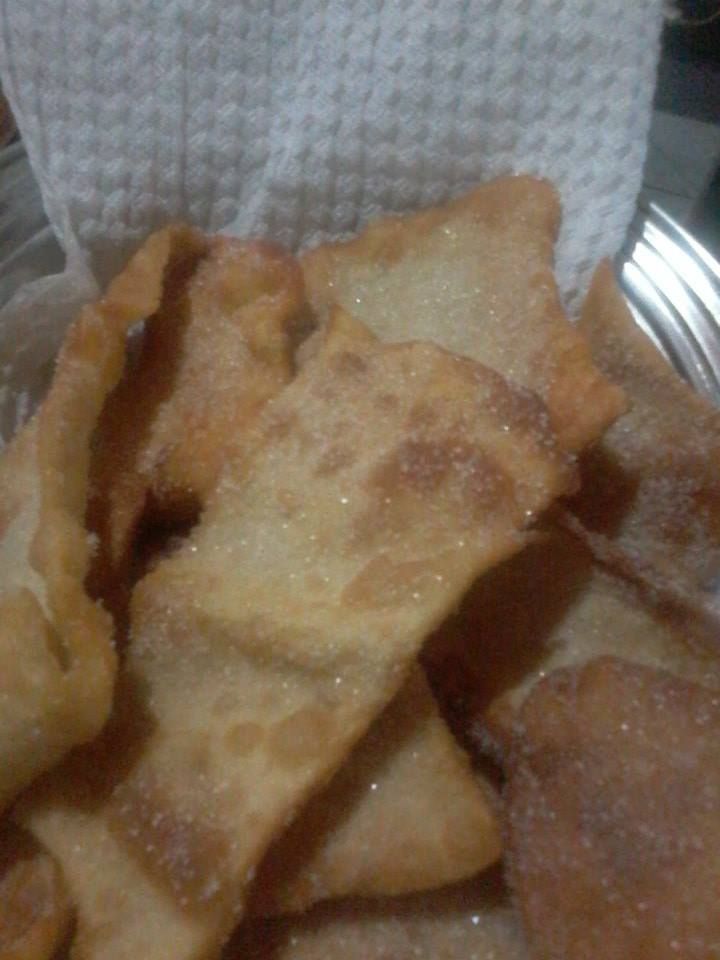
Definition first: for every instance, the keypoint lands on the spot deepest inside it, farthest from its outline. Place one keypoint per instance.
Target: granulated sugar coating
(361, 835)
(213, 354)
(652, 486)
(613, 810)
(57, 663)
(550, 606)
(217, 348)
(476, 277)
(290, 493)
(305, 566)
(470, 921)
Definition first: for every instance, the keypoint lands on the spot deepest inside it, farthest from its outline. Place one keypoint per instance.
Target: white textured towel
(301, 119)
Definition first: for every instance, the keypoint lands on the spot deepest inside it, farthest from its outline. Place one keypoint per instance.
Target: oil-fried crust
(472, 919)
(57, 663)
(214, 353)
(613, 810)
(405, 813)
(651, 488)
(475, 276)
(326, 554)
(551, 606)
(35, 912)
(216, 349)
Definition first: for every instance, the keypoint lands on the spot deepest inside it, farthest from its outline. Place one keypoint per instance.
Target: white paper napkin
(301, 119)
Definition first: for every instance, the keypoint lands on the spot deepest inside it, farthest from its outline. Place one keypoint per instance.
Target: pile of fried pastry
(360, 605)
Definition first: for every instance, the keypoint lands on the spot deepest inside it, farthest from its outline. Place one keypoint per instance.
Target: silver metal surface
(672, 284)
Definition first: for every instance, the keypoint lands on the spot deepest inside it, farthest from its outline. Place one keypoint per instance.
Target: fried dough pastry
(476, 277)
(652, 486)
(376, 487)
(35, 913)
(56, 659)
(405, 813)
(614, 815)
(469, 921)
(214, 353)
(217, 349)
(551, 606)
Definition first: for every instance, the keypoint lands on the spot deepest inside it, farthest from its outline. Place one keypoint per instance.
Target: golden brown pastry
(651, 488)
(614, 815)
(57, 663)
(262, 649)
(475, 276)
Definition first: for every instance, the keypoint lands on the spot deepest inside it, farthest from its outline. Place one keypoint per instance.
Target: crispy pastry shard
(380, 483)
(35, 913)
(614, 815)
(211, 357)
(404, 813)
(551, 606)
(469, 920)
(56, 660)
(652, 487)
(217, 349)
(476, 277)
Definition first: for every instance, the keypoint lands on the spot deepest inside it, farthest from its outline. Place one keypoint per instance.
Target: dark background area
(689, 86)
(689, 74)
